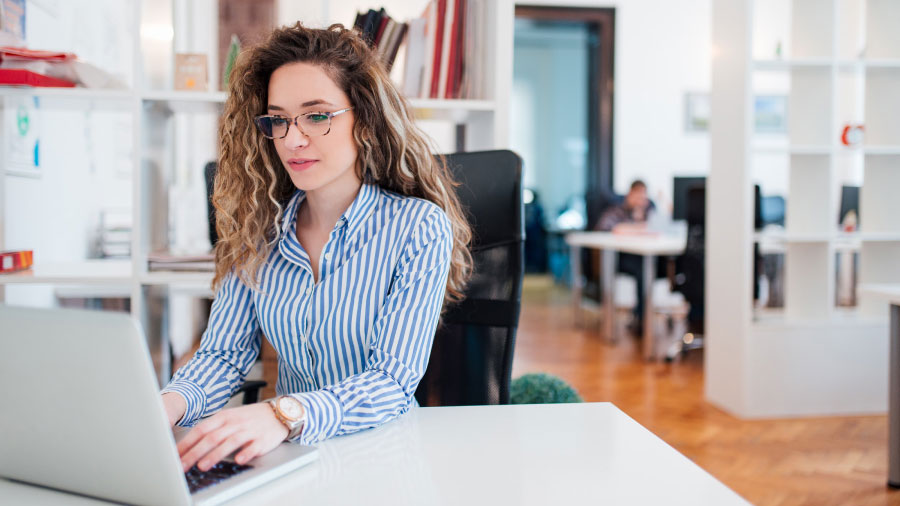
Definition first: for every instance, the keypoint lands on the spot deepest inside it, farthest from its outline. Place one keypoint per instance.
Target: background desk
(648, 246)
(540, 455)
(891, 292)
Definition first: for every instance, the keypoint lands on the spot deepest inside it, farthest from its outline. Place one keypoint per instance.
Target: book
(430, 37)
(371, 22)
(471, 84)
(439, 23)
(163, 261)
(449, 10)
(12, 261)
(400, 34)
(455, 56)
(382, 26)
(415, 57)
(384, 40)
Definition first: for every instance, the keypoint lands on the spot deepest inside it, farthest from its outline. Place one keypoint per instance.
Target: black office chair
(471, 359)
(691, 265)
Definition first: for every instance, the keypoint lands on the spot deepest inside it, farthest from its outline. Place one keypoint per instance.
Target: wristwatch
(290, 413)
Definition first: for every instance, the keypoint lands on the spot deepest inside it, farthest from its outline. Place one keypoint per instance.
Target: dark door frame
(601, 23)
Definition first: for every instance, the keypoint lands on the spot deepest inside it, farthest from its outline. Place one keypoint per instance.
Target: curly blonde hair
(252, 187)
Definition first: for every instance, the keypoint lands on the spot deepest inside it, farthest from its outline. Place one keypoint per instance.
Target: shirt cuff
(324, 414)
(194, 397)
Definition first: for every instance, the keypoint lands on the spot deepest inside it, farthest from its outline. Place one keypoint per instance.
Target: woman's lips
(299, 164)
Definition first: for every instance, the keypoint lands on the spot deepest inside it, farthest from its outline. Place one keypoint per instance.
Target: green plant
(233, 49)
(541, 388)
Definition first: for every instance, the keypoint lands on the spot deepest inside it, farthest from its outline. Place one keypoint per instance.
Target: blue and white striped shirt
(352, 347)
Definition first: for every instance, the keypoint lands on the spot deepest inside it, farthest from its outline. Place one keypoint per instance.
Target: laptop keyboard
(198, 480)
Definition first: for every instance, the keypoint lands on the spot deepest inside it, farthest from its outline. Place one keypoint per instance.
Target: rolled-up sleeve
(402, 336)
(228, 348)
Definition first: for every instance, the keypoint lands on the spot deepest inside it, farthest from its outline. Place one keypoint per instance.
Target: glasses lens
(272, 127)
(315, 123)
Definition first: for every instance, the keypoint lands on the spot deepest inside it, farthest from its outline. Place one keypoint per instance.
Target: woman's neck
(323, 207)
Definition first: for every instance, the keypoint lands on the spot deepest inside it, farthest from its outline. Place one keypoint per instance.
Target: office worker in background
(630, 217)
(340, 238)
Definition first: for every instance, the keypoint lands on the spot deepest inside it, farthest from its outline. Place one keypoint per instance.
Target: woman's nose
(295, 138)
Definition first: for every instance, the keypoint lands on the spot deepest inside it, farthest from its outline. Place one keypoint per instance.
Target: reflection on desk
(538, 454)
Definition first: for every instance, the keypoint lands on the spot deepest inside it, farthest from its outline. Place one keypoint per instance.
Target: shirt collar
(361, 207)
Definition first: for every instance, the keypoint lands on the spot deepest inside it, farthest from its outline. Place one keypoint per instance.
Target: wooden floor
(811, 461)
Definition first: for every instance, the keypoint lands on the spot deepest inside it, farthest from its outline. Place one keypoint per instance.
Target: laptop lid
(80, 408)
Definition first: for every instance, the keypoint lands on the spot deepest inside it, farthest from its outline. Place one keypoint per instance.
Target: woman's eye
(317, 118)
(279, 121)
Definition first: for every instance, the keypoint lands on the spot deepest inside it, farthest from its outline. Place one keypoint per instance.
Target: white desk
(891, 293)
(648, 246)
(509, 455)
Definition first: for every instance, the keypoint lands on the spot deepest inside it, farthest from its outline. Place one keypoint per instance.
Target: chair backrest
(209, 175)
(693, 262)
(471, 359)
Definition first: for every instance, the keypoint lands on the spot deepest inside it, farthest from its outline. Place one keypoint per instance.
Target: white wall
(662, 51)
(85, 154)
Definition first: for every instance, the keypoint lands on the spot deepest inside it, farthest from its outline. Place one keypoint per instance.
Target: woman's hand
(253, 429)
(175, 407)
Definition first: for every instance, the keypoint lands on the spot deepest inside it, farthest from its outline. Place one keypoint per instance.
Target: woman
(340, 238)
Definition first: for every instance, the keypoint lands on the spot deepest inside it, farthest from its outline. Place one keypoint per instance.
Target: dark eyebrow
(317, 101)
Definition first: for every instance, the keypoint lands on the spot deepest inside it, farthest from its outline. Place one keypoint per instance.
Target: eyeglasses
(311, 124)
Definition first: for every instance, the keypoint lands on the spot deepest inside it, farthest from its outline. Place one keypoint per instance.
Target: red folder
(22, 77)
(21, 53)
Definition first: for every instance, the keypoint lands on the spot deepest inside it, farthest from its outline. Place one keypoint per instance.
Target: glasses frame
(295, 121)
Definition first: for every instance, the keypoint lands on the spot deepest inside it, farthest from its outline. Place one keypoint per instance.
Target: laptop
(80, 411)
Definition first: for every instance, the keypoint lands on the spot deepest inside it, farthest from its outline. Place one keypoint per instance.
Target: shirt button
(327, 256)
(308, 291)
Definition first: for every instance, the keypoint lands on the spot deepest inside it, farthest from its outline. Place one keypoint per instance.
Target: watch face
(290, 407)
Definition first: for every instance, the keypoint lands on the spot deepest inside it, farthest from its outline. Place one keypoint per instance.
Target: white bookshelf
(164, 124)
(836, 61)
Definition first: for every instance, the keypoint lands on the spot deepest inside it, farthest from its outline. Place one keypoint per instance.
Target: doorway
(562, 124)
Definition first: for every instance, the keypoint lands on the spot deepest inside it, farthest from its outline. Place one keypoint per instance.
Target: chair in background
(471, 359)
(691, 266)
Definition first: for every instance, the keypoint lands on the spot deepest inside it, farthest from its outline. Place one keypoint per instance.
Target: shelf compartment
(877, 264)
(879, 206)
(882, 103)
(810, 106)
(882, 35)
(809, 205)
(808, 292)
(812, 33)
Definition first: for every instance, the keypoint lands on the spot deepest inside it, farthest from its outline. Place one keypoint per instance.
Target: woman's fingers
(252, 429)
(207, 444)
(223, 449)
(199, 432)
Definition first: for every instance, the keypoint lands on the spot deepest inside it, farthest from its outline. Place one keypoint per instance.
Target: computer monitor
(680, 188)
(849, 202)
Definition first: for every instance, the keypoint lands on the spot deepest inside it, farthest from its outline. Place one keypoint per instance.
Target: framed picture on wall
(696, 112)
(770, 114)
